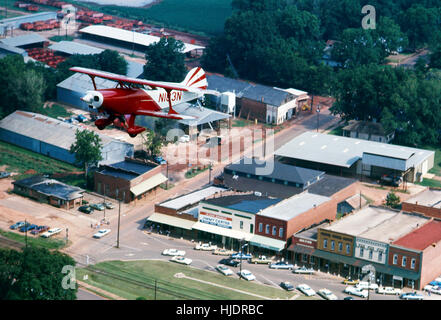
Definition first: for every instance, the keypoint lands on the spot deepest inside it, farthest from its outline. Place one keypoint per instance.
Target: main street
(137, 244)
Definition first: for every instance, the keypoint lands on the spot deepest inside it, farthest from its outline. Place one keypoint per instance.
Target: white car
(366, 285)
(184, 138)
(247, 275)
(304, 288)
(51, 232)
(224, 270)
(205, 247)
(436, 289)
(327, 294)
(356, 291)
(388, 290)
(173, 252)
(101, 233)
(182, 260)
(304, 270)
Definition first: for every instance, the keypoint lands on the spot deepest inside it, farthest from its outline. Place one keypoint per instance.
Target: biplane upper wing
(120, 78)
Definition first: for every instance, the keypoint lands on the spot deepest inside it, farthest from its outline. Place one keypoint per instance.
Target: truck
(261, 260)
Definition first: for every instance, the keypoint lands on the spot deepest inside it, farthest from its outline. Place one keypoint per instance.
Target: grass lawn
(431, 183)
(133, 279)
(194, 172)
(36, 241)
(437, 162)
(337, 131)
(21, 160)
(55, 111)
(61, 38)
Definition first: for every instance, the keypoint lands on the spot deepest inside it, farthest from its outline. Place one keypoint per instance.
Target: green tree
(34, 274)
(435, 58)
(87, 149)
(392, 200)
(165, 60)
(153, 143)
(112, 61)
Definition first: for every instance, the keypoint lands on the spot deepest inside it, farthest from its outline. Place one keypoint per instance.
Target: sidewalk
(105, 293)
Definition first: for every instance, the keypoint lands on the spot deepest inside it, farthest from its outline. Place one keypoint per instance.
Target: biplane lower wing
(159, 114)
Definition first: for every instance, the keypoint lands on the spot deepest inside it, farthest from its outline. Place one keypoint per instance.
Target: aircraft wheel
(133, 135)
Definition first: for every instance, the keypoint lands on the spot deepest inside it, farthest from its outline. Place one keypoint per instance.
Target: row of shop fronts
(298, 254)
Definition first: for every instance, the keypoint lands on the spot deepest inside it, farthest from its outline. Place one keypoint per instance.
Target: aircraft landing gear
(104, 122)
(134, 131)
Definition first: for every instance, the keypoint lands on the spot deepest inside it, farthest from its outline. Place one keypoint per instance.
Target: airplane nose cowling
(94, 99)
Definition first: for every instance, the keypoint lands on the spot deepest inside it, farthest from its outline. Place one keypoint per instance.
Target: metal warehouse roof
(80, 82)
(51, 187)
(46, 129)
(71, 47)
(279, 170)
(247, 203)
(29, 18)
(344, 151)
(203, 115)
(294, 206)
(257, 92)
(129, 36)
(377, 223)
(12, 50)
(128, 166)
(191, 198)
(23, 40)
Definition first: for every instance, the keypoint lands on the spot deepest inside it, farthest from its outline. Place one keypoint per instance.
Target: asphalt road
(87, 295)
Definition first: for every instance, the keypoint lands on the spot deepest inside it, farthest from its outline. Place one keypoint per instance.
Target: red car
(40, 229)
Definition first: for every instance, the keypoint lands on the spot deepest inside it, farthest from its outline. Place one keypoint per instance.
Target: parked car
(160, 160)
(366, 285)
(97, 206)
(28, 227)
(348, 298)
(350, 281)
(436, 289)
(388, 290)
(230, 262)
(4, 174)
(51, 232)
(305, 289)
(304, 270)
(241, 256)
(359, 292)
(223, 252)
(392, 180)
(108, 205)
(181, 260)
(101, 233)
(247, 275)
(261, 260)
(435, 283)
(40, 229)
(81, 118)
(173, 252)
(224, 270)
(287, 285)
(86, 209)
(17, 225)
(184, 138)
(205, 247)
(327, 294)
(411, 296)
(281, 265)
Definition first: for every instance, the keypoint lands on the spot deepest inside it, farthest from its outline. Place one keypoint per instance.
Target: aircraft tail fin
(196, 79)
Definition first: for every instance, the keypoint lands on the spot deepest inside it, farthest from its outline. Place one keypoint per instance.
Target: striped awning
(267, 243)
(171, 221)
(223, 231)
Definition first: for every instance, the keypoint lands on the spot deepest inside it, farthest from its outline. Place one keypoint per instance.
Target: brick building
(128, 180)
(427, 202)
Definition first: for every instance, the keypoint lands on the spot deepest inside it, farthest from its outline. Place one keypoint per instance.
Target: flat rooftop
(344, 152)
(429, 198)
(422, 237)
(191, 198)
(294, 206)
(378, 224)
(311, 233)
(247, 203)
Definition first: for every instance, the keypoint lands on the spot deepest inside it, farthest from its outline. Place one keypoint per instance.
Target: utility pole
(318, 114)
(26, 233)
(166, 183)
(210, 168)
(119, 216)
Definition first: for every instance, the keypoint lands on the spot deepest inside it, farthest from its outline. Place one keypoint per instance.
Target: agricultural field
(203, 17)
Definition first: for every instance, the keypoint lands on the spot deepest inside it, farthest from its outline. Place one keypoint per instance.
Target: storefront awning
(222, 231)
(267, 243)
(171, 221)
(301, 249)
(148, 184)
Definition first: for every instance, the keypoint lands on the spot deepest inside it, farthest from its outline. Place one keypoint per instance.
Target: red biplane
(132, 97)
